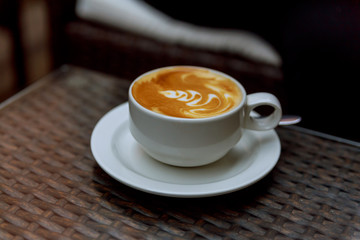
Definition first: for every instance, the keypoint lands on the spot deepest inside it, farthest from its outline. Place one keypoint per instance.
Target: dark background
(319, 42)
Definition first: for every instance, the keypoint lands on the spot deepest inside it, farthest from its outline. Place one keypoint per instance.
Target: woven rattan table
(52, 188)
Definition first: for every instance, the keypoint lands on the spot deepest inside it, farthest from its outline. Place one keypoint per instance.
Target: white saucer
(118, 154)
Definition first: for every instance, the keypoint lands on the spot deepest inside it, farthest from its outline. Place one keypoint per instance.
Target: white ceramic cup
(190, 142)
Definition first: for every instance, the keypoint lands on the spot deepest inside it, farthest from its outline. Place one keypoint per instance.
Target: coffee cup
(191, 116)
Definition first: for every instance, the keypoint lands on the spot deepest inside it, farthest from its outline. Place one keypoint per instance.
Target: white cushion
(138, 17)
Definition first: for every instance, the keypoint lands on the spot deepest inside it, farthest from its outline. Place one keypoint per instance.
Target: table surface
(52, 188)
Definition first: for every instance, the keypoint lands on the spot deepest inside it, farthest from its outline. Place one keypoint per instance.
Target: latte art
(186, 92)
(191, 97)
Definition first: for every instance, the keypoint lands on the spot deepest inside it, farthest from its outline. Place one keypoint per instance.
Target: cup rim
(179, 119)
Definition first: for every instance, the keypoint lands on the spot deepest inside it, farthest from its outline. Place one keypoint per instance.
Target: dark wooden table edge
(324, 135)
(65, 68)
(39, 83)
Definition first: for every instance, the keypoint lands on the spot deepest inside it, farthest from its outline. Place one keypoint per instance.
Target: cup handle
(262, 123)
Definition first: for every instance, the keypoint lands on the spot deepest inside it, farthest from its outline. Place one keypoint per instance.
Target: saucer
(119, 155)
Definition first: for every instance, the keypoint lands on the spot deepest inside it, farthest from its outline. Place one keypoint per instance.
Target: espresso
(186, 92)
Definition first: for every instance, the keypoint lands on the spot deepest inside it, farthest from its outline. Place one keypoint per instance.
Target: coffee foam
(186, 92)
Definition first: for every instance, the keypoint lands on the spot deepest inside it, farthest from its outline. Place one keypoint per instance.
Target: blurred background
(25, 54)
(305, 52)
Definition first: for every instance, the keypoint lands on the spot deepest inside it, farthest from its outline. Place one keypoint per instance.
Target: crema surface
(186, 92)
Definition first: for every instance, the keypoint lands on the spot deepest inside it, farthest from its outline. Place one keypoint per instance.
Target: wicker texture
(52, 188)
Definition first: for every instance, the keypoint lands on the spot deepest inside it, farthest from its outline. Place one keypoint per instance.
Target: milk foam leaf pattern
(191, 97)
